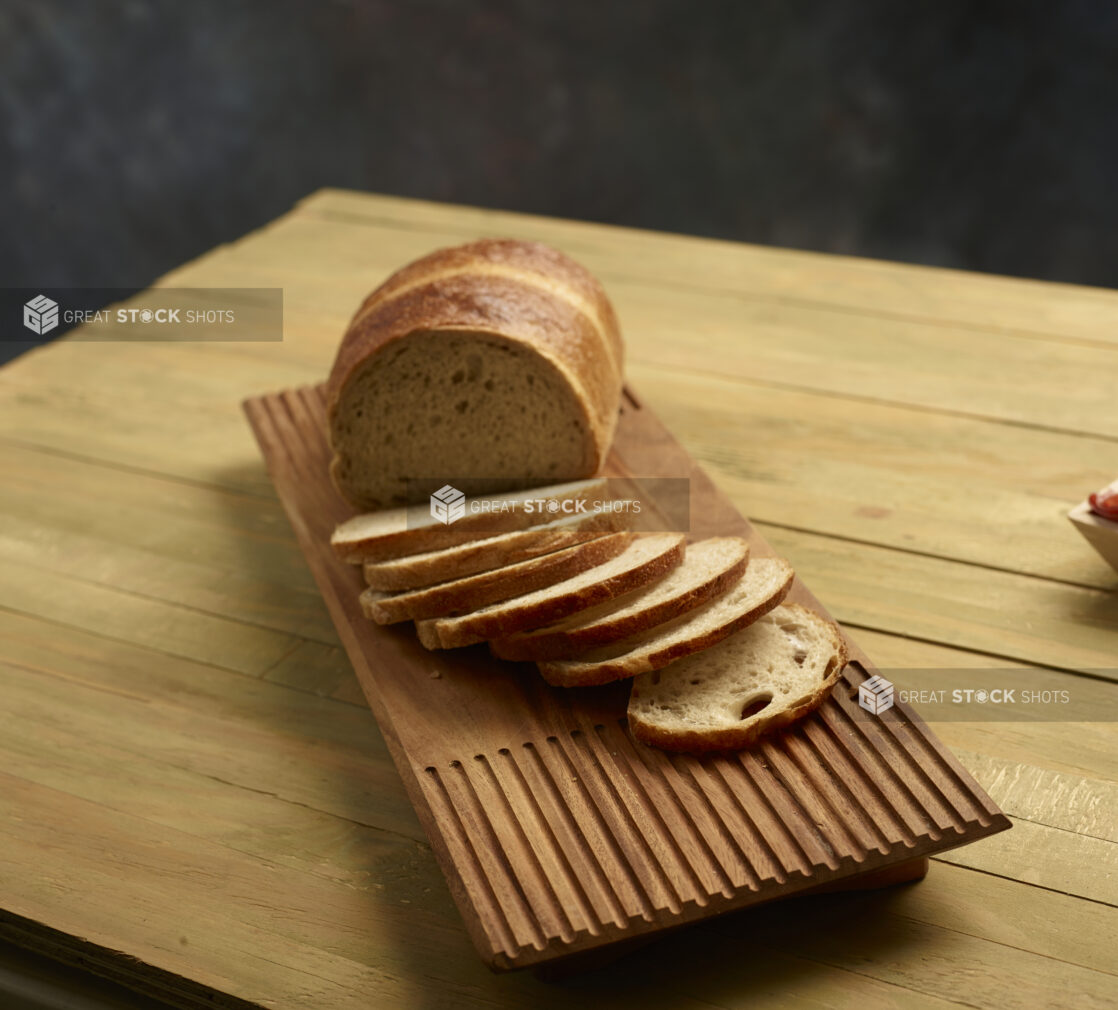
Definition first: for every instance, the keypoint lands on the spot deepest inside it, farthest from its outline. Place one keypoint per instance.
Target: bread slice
(648, 556)
(709, 568)
(763, 586)
(474, 591)
(430, 567)
(770, 674)
(398, 532)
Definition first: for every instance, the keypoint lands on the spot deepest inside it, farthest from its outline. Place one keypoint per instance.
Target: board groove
(556, 831)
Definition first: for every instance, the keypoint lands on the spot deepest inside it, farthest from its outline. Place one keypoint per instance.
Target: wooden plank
(114, 614)
(197, 445)
(1007, 912)
(233, 590)
(1074, 803)
(954, 487)
(1013, 616)
(195, 721)
(81, 370)
(224, 928)
(51, 499)
(1051, 382)
(951, 297)
(1062, 861)
(245, 801)
(1071, 819)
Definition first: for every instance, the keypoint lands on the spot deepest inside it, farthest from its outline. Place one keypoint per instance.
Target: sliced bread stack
(764, 584)
(458, 596)
(708, 569)
(591, 603)
(461, 559)
(647, 557)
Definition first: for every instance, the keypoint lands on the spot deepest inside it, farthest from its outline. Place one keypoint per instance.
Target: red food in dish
(1105, 502)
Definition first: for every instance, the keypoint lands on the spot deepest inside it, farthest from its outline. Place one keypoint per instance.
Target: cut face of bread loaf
(709, 568)
(464, 595)
(647, 557)
(765, 583)
(429, 567)
(766, 676)
(398, 532)
(498, 360)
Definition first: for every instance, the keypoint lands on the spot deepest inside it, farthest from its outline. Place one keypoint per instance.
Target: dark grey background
(135, 134)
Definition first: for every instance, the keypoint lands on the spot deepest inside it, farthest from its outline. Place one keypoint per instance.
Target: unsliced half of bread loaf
(765, 583)
(709, 568)
(474, 591)
(498, 360)
(648, 556)
(398, 532)
(456, 562)
(766, 676)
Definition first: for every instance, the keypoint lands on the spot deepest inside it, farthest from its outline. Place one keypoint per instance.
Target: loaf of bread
(499, 360)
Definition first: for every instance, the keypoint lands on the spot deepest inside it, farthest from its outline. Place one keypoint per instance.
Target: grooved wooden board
(556, 832)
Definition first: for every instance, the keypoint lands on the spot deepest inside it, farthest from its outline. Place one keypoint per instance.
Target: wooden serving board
(557, 833)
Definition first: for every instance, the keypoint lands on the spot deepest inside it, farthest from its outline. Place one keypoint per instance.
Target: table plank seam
(1061, 828)
(1012, 660)
(142, 647)
(59, 623)
(108, 464)
(943, 858)
(170, 655)
(186, 607)
(417, 839)
(280, 660)
(916, 552)
(888, 982)
(1002, 943)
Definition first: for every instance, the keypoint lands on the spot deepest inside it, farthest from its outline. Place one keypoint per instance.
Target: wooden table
(196, 799)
